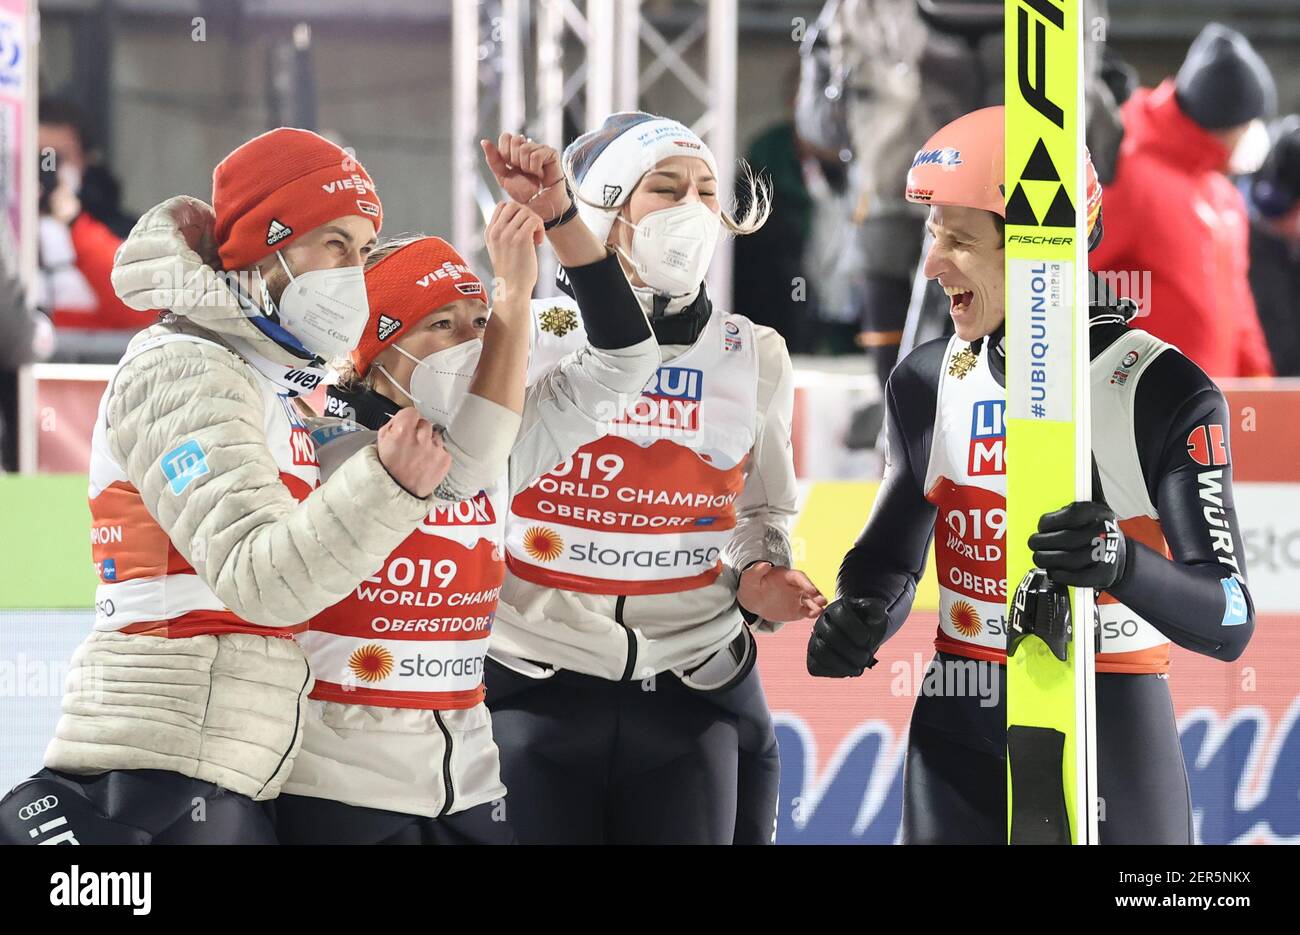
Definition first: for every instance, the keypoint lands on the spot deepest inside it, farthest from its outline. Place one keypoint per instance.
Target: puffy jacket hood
(1155, 123)
(169, 261)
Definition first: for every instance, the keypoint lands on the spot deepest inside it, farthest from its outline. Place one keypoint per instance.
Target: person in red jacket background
(1171, 209)
(81, 227)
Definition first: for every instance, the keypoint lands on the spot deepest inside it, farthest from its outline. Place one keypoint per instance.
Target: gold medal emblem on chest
(962, 363)
(558, 320)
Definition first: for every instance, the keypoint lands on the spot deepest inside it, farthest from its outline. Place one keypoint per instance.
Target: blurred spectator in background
(768, 264)
(25, 335)
(1121, 79)
(81, 225)
(791, 274)
(1171, 209)
(835, 275)
(895, 71)
(1274, 202)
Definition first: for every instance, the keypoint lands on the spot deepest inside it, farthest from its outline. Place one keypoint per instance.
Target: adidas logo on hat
(276, 232)
(387, 326)
(611, 193)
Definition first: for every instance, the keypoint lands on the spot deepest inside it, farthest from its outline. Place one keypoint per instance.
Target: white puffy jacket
(433, 763)
(222, 708)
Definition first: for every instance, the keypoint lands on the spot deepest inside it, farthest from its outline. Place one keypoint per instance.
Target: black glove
(1080, 545)
(845, 637)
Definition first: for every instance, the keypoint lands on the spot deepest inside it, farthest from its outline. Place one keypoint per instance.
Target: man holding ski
(1159, 541)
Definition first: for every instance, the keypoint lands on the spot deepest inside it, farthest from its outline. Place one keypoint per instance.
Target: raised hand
(513, 236)
(528, 172)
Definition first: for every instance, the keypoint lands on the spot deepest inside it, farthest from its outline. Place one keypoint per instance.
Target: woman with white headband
(621, 671)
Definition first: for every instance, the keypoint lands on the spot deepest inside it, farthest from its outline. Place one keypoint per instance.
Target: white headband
(609, 162)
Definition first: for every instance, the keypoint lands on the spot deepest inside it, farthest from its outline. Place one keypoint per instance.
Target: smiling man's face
(968, 260)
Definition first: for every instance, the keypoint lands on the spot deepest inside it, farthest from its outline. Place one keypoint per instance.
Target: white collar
(295, 379)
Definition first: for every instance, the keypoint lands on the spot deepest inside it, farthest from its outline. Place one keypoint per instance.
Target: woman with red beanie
(397, 745)
(214, 538)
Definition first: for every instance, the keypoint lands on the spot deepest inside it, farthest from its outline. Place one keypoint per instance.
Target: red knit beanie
(280, 185)
(408, 284)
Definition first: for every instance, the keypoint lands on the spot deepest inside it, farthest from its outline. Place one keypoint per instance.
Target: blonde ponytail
(758, 203)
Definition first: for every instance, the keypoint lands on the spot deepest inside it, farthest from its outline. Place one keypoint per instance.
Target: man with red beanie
(1172, 211)
(213, 535)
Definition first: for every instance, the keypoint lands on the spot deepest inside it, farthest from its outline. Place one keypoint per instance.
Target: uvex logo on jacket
(304, 378)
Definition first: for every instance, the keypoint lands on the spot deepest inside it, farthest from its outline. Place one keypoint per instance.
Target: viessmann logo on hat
(454, 272)
(357, 183)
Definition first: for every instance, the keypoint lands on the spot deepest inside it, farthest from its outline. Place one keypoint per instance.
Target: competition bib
(649, 507)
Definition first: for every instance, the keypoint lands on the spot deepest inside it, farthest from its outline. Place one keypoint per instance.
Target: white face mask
(325, 309)
(1251, 150)
(70, 178)
(440, 382)
(672, 247)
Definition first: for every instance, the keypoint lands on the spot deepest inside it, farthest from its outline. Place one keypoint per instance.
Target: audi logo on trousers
(32, 809)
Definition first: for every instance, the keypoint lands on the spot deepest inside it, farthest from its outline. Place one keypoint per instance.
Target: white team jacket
(220, 707)
(675, 631)
(431, 763)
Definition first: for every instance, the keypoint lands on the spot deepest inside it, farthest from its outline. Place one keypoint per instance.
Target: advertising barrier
(842, 741)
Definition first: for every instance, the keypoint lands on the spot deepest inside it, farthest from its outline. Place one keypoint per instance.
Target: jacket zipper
(446, 765)
(297, 718)
(631, 639)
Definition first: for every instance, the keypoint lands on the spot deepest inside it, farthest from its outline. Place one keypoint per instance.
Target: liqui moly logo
(302, 448)
(476, 511)
(988, 437)
(671, 400)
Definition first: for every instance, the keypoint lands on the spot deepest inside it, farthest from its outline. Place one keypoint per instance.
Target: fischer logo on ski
(1051, 758)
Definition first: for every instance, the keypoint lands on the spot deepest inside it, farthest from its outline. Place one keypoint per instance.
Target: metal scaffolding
(494, 43)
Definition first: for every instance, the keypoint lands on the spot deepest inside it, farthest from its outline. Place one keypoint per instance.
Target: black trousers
(301, 819)
(130, 806)
(586, 760)
(955, 779)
